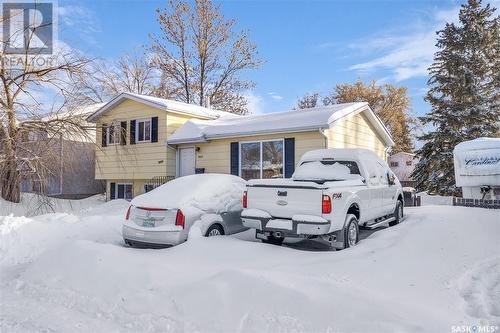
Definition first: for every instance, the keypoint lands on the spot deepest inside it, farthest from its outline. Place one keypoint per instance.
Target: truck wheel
(398, 214)
(214, 230)
(273, 240)
(351, 231)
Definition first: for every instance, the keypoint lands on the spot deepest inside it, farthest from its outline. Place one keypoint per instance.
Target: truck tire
(398, 214)
(350, 231)
(273, 240)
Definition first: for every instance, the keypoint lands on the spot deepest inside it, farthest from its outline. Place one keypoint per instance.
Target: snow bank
(33, 204)
(430, 200)
(319, 171)
(211, 193)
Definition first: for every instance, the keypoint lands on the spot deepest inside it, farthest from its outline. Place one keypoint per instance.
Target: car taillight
(245, 199)
(128, 213)
(180, 219)
(326, 204)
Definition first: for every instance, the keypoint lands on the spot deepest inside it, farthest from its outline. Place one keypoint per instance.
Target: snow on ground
(71, 273)
(431, 200)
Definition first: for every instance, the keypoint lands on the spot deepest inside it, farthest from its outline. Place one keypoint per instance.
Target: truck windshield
(327, 170)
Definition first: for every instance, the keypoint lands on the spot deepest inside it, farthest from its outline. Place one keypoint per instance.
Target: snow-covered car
(164, 216)
(331, 193)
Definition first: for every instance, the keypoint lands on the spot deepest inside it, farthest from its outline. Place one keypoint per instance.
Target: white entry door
(186, 161)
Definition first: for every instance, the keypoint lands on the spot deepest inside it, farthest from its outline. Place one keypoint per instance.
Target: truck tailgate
(285, 202)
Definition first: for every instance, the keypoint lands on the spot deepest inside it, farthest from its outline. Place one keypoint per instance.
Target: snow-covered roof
(403, 153)
(163, 104)
(279, 122)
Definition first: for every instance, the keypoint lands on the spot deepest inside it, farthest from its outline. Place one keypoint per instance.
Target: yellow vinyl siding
(214, 156)
(141, 160)
(138, 185)
(355, 132)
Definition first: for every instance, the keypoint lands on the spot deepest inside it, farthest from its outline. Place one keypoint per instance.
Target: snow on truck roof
(338, 154)
(302, 120)
(163, 104)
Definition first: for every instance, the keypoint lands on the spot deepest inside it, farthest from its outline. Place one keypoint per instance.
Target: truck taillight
(128, 213)
(326, 204)
(180, 219)
(245, 199)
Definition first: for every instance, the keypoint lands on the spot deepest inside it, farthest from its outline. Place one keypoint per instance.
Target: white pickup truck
(330, 195)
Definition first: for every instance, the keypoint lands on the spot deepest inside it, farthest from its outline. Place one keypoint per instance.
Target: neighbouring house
(68, 159)
(403, 164)
(144, 140)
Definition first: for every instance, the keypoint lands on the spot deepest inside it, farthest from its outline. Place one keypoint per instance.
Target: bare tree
(23, 76)
(103, 80)
(309, 100)
(201, 58)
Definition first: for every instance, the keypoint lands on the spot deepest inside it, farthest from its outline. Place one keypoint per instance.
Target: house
(68, 159)
(131, 154)
(403, 164)
(477, 168)
(143, 139)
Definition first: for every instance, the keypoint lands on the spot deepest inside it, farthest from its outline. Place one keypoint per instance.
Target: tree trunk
(11, 191)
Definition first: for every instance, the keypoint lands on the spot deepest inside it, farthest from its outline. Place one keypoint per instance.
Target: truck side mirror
(391, 179)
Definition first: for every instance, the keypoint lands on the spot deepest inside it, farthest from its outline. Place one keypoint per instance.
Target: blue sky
(307, 45)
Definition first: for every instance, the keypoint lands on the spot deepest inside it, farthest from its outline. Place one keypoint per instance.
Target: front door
(186, 161)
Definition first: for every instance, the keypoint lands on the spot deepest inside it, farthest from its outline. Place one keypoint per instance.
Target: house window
(124, 191)
(261, 159)
(143, 130)
(394, 164)
(408, 163)
(113, 134)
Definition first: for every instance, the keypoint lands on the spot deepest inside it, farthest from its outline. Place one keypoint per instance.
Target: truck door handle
(282, 194)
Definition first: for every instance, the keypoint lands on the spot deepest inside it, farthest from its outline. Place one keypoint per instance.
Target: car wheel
(351, 232)
(398, 214)
(214, 230)
(273, 240)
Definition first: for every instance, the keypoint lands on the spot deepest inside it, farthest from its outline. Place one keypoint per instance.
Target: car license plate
(148, 224)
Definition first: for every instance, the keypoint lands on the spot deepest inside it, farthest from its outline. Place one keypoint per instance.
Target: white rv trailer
(477, 168)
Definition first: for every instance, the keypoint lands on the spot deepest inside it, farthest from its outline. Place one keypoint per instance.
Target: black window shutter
(132, 132)
(289, 157)
(235, 158)
(104, 134)
(154, 129)
(123, 133)
(112, 191)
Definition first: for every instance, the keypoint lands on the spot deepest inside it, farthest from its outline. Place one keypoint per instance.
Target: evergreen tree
(464, 94)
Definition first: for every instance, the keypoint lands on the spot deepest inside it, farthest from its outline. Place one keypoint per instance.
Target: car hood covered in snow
(212, 193)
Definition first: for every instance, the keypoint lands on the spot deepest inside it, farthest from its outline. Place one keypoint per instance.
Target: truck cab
(330, 195)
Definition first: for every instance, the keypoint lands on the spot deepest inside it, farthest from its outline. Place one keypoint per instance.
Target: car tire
(398, 214)
(214, 230)
(351, 232)
(273, 240)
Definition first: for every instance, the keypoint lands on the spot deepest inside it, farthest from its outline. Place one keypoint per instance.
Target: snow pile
(32, 204)
(437, 269)
(434, 199)
(210, 193)
(316, 170)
